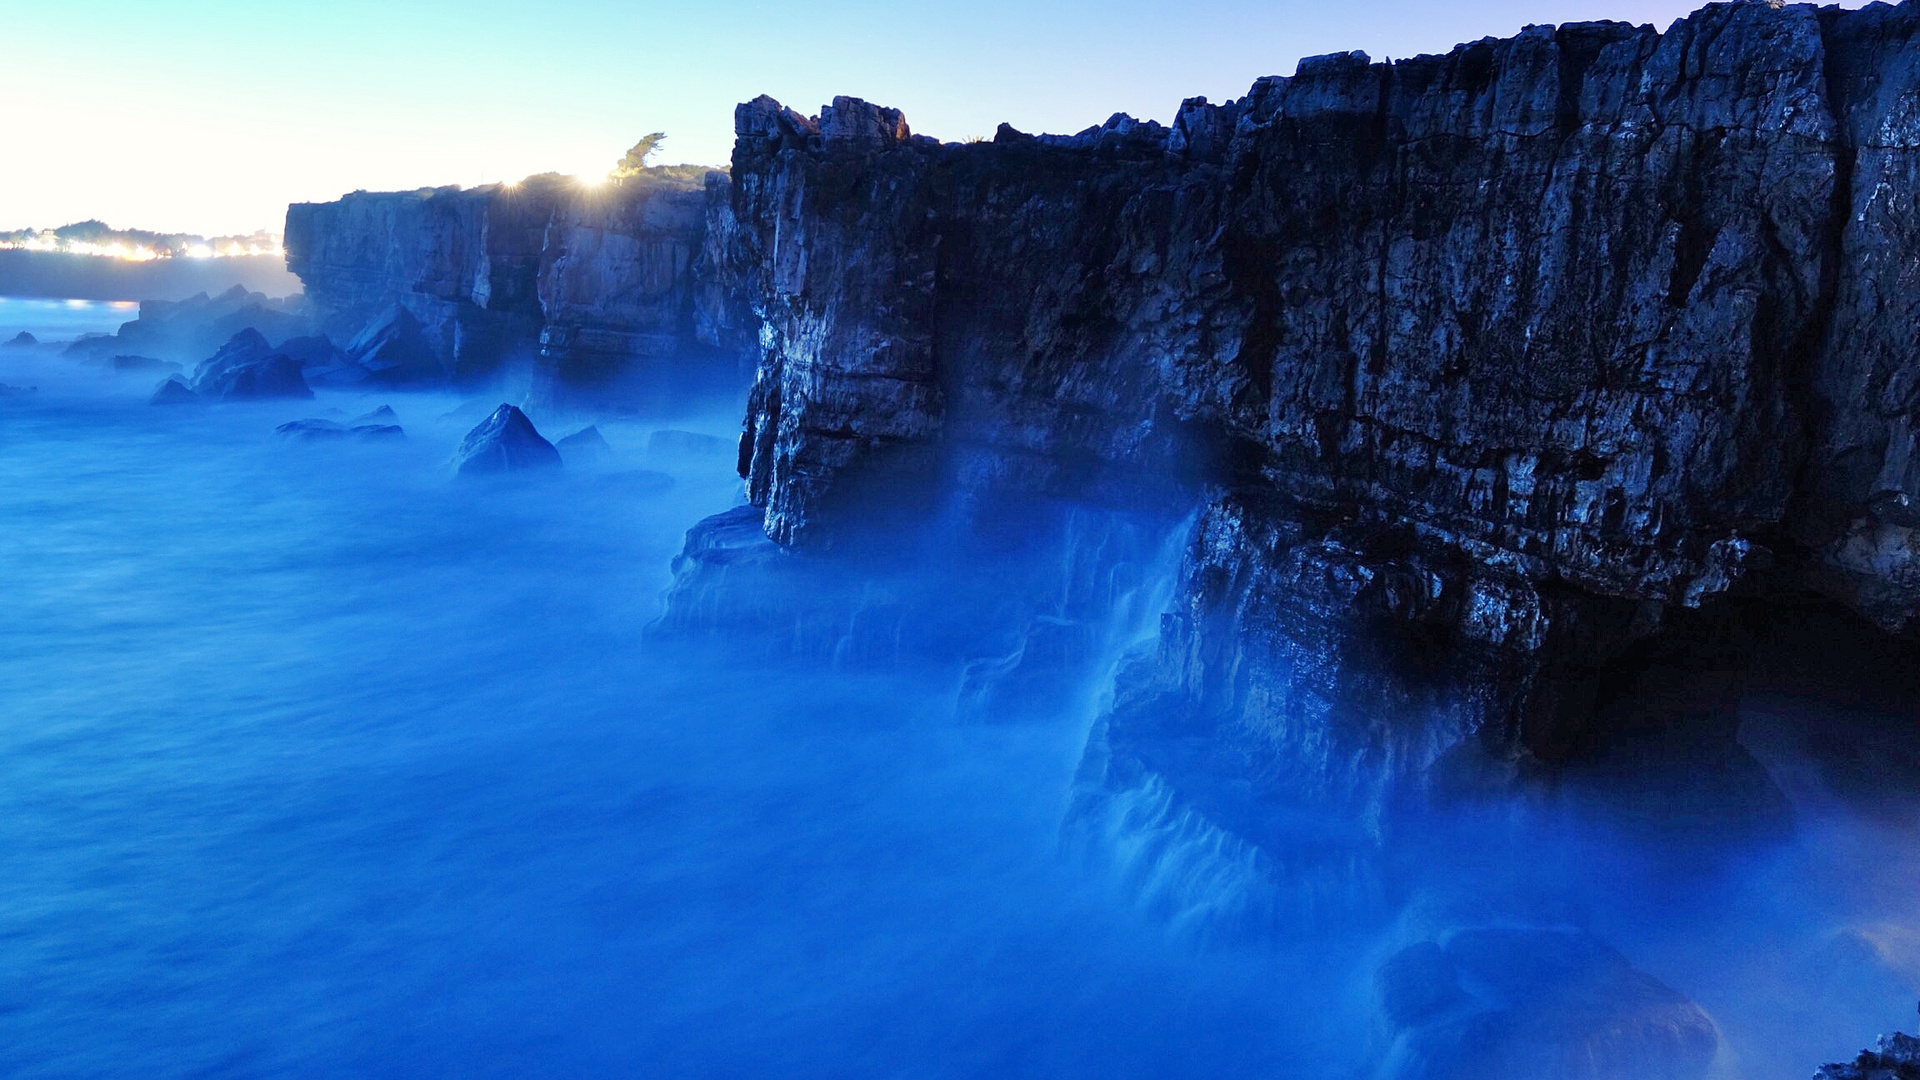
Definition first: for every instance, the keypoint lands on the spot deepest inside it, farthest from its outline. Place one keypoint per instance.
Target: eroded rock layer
(599, 289)
(1518, 383)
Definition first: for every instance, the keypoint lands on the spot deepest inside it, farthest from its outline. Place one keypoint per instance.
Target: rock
(1897, 1058)
(22, 340)
(378, 433)
(246, 367)
(322, 363)
(174, 391)
(1514, 1002)
(196, 326)
(382, 415)
(312, 430)
(616, 294)
(393, 349)
(504, 442)
(584, 445)
(674, 441)
(1519, 385)
(143, 363)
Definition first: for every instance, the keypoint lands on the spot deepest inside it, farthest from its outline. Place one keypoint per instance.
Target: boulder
(276, 376)
(506, 441)
(382, 415)
(174, 391)
(22, 340)
(583, 445)
(377, 432)
(394, 349)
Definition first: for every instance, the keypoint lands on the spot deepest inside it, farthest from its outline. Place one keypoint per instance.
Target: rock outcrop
(605, 291)
(505, 441)
(1896, 1058)
(1516, 383)
(247, 366)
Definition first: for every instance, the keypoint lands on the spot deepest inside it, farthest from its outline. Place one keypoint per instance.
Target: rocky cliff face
(1519, 385)
(596, 288)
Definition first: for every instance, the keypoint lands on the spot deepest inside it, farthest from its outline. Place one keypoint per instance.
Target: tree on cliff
(636, 160)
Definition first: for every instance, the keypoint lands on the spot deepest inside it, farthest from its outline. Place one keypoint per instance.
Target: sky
(209, 116)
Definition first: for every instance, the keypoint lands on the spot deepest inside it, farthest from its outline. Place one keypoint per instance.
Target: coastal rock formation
(505, 441)
(1518, 384)
(248, 367)
(603, 290)
(1897, 1058)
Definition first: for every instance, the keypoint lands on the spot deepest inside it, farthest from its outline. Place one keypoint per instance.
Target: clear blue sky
(210, 115)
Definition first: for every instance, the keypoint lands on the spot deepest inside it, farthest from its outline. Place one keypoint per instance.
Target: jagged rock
(674, 441)
(1897, 1058)
(583, 445)
(247, 367)
(1531, 1002)
(174, 391)
(504, 442)
(1520, 380)
(393, 349)
(196, 326)
(382, 415)
(143, 363)
(22, 339)
(616, 294)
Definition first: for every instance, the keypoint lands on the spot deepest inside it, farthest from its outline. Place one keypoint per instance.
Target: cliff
(1525, 389)
(593, 287)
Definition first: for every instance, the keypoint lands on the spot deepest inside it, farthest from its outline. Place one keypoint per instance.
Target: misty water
(314, 762)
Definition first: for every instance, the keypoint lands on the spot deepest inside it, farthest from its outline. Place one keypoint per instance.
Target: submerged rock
(319, 430)
(174, 391)
(15, 391)
(22, 339)
(313, 430)
(382, 415)
(584, 445)
(504, 442)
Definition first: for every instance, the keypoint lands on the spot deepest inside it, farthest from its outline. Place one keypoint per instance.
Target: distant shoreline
(60, 276)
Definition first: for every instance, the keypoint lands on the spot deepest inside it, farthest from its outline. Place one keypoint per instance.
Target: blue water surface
(315, 763)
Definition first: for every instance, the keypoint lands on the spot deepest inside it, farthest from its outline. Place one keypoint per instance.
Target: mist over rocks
(22, 340)
(248, 367)
(506, 441)
(609, 295)
(1520, 385)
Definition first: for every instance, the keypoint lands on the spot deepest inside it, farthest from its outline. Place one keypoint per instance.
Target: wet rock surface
(1519, 383)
